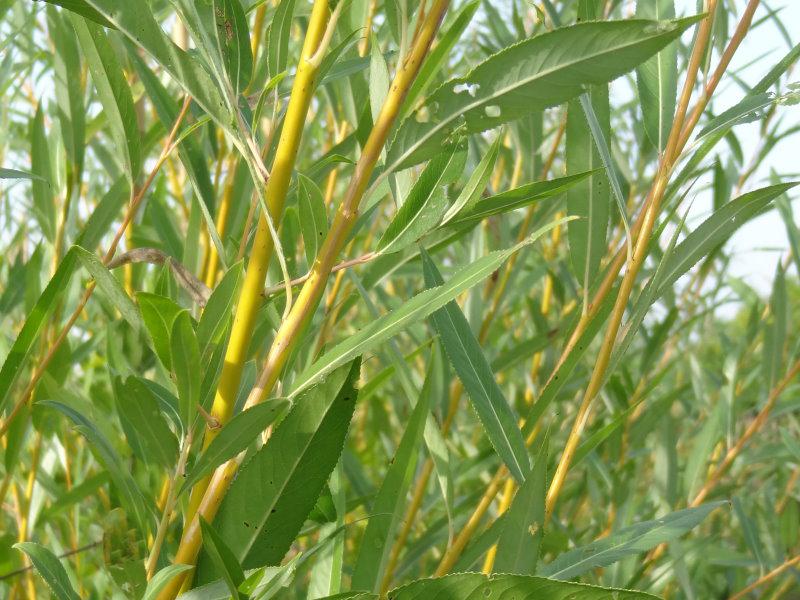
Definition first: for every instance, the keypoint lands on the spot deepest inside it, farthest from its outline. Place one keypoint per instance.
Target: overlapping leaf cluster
(424, 405)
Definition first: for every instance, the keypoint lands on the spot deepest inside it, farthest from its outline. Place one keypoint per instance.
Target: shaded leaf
(287, 474)
(531, 75)
(467, 358)
(625, 542)
(390, 502)
(416, 309)
(50, 568)
(234, 437)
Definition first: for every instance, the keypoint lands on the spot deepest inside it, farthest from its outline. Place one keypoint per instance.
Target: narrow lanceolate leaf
(136, 21)
(477, 182)
(110, 287)
(437, 57)
(83, 9)
(223, 558)
(133, 500)
(413, 311)
(44, 209)
(69, 90)
(34, 323)
(235, 437)
(472, 368)
(113, 91)
(18, 174)
(185, 357)
(516, 198)
(379, 80)
(276, 489)
(313, 216)
(144, 424)
(425, 205)
(775, 331)
(476, 585)
(389, 504)
(189, 150)
(532, 75)
(523, 523)
(657, 78)
(628, 541)
(278, 43)
(217, 313)
(161, 579)
(590, 199)
(233, 38)
(159, 314)
(51, 570)
(715, 230)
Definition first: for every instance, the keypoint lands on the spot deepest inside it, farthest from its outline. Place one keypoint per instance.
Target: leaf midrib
(519, 83)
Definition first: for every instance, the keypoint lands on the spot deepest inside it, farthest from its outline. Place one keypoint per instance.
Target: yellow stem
(288, 333)
(649, 215)
(251, 298)
(221, 224)
(769, 576)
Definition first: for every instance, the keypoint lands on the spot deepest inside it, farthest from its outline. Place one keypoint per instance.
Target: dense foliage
(432, 299)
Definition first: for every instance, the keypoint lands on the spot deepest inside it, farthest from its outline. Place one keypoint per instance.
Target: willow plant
(360, 299)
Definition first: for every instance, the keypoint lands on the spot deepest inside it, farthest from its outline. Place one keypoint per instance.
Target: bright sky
(759, 245)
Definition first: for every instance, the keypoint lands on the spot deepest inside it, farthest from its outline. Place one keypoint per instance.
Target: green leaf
(775, 327)
(276, 489)
(476, 585)
(234, 437)
(390, 502)
(17, 174)
(69, 91)
(628, 541)
(189, 150)
(792, 231)
(110, 287)
(82, 8)
(148, 434)
(161, 579)
(467, 358)
(473, 190)
(278, 41)
(34, 323)
(437, 57)
(159, 314)
(425, 205)
(103, 215)
(185, 357)
(703, 443)
(223, 558)
(217, 313)
(657, 78)
(113, 91)
(50, 569)
(136, 21)
(110, 459)
(44, 208)
(714, 231)
(531, 75)
(379, 80)
(233, 38)
(589, 199)
(416, 309)
(313, 216)
(523, 523)
(516, 198)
